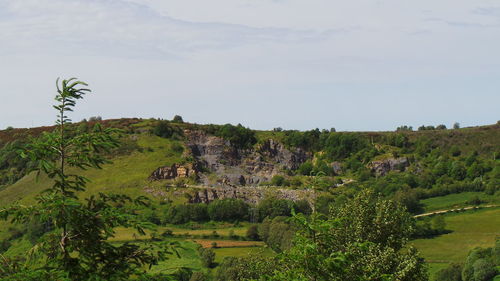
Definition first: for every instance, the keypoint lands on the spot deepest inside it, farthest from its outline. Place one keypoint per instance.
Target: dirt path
(454, 210)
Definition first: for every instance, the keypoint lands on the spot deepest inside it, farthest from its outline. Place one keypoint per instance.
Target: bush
(207, 256)
(305, 168)
(279, 180)
(167, 233)
(177, 119)
(164, 130)
(4, 245)
(484, 270)
(272, 207)
(198, 276)
(239, 136)
(253, 233)
(277, 233)
(452, 273)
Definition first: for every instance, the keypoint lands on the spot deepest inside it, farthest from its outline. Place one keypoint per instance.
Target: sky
(353, 65)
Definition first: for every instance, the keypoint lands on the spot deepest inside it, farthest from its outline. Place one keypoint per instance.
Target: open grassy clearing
(128, 234)
(207, 243)
(188, 258)
(240, 252)
(456, 200)
(470, 229)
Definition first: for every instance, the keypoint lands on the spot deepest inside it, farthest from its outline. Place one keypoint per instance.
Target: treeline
(365, 239)
(225, 210)
(239, 136)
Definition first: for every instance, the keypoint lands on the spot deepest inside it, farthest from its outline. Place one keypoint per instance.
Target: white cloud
(290, 63)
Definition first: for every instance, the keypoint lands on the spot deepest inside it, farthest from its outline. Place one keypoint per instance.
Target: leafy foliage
(78, 245)
(239, 136)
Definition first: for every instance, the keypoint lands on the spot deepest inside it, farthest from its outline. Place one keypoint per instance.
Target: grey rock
(382, 167)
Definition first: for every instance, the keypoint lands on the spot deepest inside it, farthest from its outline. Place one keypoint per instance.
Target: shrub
(305, 168)
(165, 130)
(272, 207)
(198, 276)
(239, 136)
(207, 256)
(253, 233)
(452, 273)
(279, 180)
(277, 233)
(177, 119)
(167, 233)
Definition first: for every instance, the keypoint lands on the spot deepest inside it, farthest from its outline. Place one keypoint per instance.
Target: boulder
(382, 167)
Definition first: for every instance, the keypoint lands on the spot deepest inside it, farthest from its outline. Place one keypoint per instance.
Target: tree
(228, 209)
(363, 240)
(164, 130)
(199, 276)
(207, 256)
(77, 246)
(452, 273)
(177, 119)
(441, 127)
(252, 232)
(456, 126)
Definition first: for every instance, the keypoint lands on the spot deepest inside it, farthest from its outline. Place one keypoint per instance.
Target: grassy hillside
(468, 230)
(126, 174)
(446, 169)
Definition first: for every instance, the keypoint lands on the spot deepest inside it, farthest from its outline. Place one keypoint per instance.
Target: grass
(207, 243)
(469, 230)
(240, 252)
(188, 258)
(126, 175)
(455, 200)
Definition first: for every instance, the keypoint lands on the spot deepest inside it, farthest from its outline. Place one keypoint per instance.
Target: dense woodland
(359, 227)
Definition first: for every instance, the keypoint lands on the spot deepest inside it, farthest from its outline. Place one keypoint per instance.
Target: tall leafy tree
(77, 244)
(363, 240)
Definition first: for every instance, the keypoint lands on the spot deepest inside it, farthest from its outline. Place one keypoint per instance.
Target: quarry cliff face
(240, 167)
(252, 195)
(227, 172)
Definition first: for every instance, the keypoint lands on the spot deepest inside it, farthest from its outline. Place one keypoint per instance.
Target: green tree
(252, 232)
(363, 240)
(78, 246)
(207, 256)
(177, 119)
(452, 273)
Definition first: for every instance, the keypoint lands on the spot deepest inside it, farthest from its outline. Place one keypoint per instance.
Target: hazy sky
(297, 64)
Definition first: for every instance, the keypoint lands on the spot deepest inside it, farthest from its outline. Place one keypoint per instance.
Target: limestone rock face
(382, 167)
(252, 195)
(337, 168)
(238, 167)
(174, 171)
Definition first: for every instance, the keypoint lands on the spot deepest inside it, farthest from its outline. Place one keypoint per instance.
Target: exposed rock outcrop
(237, 167)
(174, 171)
(251, 195)
(382, 167)
(337, 168)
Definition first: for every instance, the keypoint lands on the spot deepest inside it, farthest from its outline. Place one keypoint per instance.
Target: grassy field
(221, 253)
(469, 230)
(456, 200)
(126, 175)
(188, 258)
